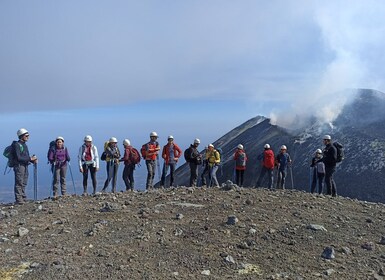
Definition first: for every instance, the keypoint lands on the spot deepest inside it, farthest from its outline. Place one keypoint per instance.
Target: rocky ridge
(226, 233)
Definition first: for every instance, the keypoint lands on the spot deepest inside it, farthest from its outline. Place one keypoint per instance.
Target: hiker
(330, 161)
(171, 154)
(283, 161)
(22, 160)
(205, 172)
(112, 157)
(268, 163)
(194, 158)
(213, 159)
(318, 172)
(150, 152)
(240, 158)
(88, 161)
(58, 157)
(130, 158)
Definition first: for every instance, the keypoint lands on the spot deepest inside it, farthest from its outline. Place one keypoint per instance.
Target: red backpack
(268, 159)
(134, 156)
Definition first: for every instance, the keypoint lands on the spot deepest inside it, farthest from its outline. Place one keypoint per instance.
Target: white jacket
(94, 156)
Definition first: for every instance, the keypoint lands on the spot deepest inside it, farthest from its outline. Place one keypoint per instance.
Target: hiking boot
(19, 202)
(84, 194)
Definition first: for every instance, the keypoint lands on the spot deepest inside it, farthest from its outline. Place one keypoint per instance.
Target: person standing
(194, 158)
(318, 171)
(112, 157)
(150, 152)
(171, 154)
(268, 162)
(240, 158)
(130, 158)
(330, 161)
(214, 159)
(58, 156)
(21, 161)
(283, 161)
(88, 162)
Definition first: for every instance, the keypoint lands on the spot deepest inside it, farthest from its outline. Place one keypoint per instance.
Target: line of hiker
(323, 164)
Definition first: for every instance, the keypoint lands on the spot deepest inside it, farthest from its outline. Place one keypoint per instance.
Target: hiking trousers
(331, 188)
(193, 174)
(92, 170)
(128, 176)
(239, 174)
(59, 174)
(203, 175)
(270, 174)
(21, 181)
(112, 172)
(281, 178)
(213, 176)
(172, 166)
(150, 173)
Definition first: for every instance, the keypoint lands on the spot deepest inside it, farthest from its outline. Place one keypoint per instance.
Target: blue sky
(187, 68)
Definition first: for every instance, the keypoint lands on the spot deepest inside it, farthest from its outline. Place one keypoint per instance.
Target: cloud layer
(95, 53)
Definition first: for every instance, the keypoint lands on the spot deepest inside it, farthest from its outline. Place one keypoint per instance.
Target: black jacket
(329, 155)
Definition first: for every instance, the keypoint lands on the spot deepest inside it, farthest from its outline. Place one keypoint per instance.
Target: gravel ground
(220, 233)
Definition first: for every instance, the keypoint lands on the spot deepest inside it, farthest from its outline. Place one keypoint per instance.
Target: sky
(186, 68)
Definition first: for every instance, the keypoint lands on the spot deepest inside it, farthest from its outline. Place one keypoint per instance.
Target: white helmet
(88, 138)
(170, 137)
(283, 147)
(113, 140)
(60, 138)
(153, 134)
(267, 146)
(211, 146)
(21, 132)
(318, 151)
(240, 146)
(197, 141)
(327, 137)
(126, 142)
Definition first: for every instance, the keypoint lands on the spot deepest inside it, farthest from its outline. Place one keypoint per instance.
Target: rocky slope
(183, 233)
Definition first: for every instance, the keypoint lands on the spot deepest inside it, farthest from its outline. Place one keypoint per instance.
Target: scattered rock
(368, 246)
(232, 220)
(229, 259)
(206, 272)
(316, 227)
(22, 231)
(179, 216)
(382, 240)
(328, 253)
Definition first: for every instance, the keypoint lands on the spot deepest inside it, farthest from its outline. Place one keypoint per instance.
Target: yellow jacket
(213, 157)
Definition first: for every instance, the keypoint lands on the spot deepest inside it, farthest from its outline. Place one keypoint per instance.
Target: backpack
(143, 151)
(268, 159)
(241, 159)
(340, 151)
(134, 156)
(9, 153)
(187, 155)
(103, 157)
(52, 147)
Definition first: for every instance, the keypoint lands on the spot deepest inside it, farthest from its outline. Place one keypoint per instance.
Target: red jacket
(166, 152)
(152, 149)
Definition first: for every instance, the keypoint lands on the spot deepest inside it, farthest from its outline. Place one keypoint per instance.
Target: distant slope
(360, 127)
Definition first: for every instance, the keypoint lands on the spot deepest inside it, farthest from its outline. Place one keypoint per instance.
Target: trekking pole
(35, 181)
(291, 176)
(158, 164)
(311, 174)
(72, 177)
